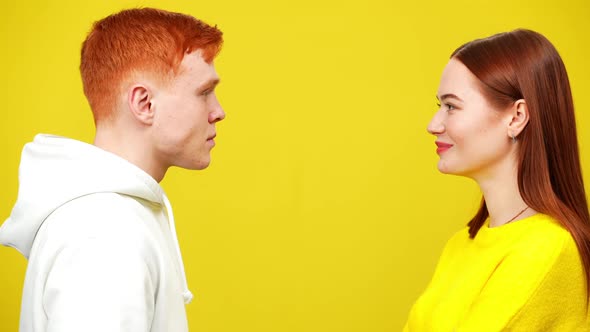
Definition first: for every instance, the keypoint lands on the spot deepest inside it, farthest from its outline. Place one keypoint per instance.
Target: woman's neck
(502, 197)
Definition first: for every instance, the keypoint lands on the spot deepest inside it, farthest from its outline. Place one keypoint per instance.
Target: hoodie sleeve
(96, 286)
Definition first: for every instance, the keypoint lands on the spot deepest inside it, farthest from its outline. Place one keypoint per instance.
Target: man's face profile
(185, 112)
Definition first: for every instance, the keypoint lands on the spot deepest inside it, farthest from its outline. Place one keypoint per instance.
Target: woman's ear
(141, 104)
(520, 118)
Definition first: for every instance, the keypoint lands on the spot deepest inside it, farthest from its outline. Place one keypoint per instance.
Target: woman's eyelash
(448, 106)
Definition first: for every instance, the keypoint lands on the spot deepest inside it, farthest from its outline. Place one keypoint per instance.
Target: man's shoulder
(109, 217)
(108, 229)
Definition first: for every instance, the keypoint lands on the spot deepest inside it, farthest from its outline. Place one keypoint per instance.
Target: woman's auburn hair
(523, 64)
(143, 40)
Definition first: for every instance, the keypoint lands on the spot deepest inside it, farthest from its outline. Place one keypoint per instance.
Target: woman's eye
(448, 107)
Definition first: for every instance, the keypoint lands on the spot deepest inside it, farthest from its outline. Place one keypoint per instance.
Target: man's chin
(195, 165)
(201, 164)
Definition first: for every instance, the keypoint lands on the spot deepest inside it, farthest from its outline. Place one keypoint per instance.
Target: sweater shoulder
(560, 300)
(545, 238)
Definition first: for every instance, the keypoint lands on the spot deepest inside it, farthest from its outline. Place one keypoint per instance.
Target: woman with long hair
(506, 120)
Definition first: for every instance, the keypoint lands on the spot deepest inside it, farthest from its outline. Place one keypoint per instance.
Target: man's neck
(130, 147)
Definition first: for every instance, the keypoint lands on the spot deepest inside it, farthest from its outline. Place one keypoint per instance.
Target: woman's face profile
(471, 136)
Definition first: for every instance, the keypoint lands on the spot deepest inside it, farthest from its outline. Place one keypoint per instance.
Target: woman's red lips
(442, 147)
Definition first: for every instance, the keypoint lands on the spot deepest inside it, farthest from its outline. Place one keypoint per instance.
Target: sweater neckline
(513, 224)
(490, 235)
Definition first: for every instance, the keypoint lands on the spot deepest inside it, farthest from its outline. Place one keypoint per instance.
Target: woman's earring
(513, 138)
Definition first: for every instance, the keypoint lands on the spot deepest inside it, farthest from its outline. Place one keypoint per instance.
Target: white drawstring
(186, 294)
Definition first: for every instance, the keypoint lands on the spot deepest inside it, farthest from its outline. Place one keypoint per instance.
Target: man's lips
(211, 140)
(442, 147)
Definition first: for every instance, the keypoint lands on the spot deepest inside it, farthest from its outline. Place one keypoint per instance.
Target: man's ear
(520, 118)
(141, 106)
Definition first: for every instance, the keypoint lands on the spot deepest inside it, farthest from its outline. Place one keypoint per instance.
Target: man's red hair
(146, 40)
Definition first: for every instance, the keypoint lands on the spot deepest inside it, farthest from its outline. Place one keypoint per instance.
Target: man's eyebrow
(210, 83)
(449, 95)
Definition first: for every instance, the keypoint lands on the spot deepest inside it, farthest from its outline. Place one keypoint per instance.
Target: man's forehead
(195, 68)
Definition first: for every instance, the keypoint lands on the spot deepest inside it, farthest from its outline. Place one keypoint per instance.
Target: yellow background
(323, 209)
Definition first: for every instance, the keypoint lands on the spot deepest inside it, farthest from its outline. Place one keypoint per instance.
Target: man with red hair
(92, 220)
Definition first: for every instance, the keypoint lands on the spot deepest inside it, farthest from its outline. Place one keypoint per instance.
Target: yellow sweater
(523, 276)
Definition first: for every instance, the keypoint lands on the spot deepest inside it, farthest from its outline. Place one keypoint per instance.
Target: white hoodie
(99, 235)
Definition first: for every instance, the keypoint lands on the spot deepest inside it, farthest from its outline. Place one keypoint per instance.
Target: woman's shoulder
(549, 257)
(544, 245)
(545, 232)
(539, 236)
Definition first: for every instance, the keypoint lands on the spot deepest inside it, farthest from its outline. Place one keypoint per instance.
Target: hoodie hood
(55, 170)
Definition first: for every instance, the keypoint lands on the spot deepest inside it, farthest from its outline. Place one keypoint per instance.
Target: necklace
(516, 216)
